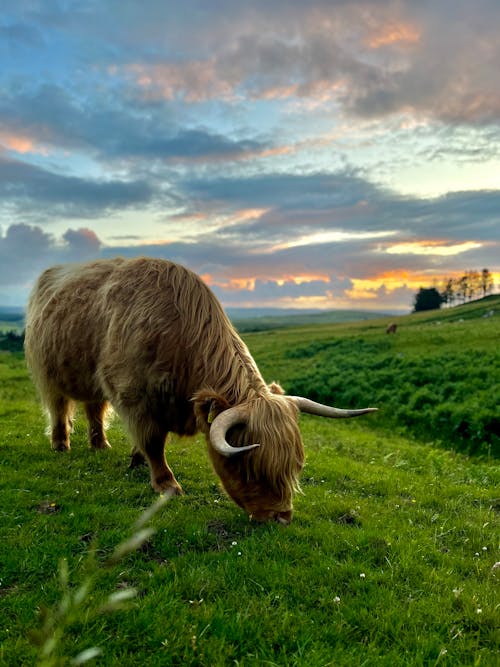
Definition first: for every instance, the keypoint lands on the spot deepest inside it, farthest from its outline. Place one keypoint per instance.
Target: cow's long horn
(313, 408)
(221, 425)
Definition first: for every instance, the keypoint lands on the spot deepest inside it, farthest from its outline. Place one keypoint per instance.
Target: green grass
(437, 379)
(389, 560)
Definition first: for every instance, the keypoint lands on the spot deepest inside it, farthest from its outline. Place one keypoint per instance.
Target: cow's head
(256, 447)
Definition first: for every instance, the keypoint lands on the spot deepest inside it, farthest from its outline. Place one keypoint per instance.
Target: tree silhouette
(470, 285)
(486, 282)
(448, 293)
(427, 298)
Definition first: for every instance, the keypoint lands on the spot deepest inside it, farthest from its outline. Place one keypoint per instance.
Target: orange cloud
(278, 150)
(280, 92)
(395, 33)
(244, 215)
(20, 143)
(249, 282)
(233, 284)
(368, 288)
(194, 81)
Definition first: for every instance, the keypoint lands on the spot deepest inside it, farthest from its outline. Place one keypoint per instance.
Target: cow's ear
(276, 388)
(207, 405)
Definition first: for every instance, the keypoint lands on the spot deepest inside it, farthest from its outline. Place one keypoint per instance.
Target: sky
(321, 154)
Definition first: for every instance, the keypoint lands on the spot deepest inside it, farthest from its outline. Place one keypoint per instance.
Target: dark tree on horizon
(427, 298)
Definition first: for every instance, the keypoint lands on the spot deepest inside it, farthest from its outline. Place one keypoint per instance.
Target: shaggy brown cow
(150, 338)
(392, 328)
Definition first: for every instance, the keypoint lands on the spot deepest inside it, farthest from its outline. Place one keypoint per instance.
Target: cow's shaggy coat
(149, 337)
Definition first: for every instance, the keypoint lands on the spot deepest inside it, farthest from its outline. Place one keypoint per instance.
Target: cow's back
(127, 329)
(65, 326)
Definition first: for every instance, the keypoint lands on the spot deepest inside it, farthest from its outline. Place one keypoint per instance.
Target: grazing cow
(392, 328)
(148, 337)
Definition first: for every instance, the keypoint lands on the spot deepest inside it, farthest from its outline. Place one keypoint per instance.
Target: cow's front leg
(152, 443)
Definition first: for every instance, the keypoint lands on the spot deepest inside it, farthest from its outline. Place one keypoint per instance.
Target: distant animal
(149, 337)
(392, 328)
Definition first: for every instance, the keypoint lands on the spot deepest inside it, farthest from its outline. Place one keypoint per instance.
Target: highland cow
(148, 337)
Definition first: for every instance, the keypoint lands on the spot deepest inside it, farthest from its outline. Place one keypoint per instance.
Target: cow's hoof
(102, 444)
(170, 487)
(61, 446)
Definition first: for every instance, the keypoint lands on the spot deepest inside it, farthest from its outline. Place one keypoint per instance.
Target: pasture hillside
(391, 559)
(437, 378)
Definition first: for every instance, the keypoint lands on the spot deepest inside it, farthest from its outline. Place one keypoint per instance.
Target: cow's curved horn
(221, 425)
(313, 408)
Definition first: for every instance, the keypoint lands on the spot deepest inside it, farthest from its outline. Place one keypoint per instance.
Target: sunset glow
(19, 144)
(331, 237)
(299, 155)
(432, 248)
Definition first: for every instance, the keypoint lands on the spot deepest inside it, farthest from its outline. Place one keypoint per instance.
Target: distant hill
(11, 313)
(249, 313)
(11, 318)
(262, 319)
(244, 319)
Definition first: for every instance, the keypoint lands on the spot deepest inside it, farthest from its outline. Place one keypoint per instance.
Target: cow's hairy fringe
(280, 458)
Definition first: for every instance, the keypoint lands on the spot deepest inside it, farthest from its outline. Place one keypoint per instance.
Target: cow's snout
(284, 517)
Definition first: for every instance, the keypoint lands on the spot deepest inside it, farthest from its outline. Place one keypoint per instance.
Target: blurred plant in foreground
(77, 605)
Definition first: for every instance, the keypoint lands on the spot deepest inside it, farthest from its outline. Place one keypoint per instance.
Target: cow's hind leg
(149, 439)
(137, 458)
(96, 415)
(61, 410)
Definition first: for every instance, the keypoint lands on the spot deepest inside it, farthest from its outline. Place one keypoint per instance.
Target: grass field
(392, 557)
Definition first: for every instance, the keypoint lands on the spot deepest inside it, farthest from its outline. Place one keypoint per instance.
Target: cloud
(375, 59)
(40, 193)
(282, 291)
(20, 34)
(51, 118)
(295, 204)
(81, 243)
(255, 137)
(25, 250)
